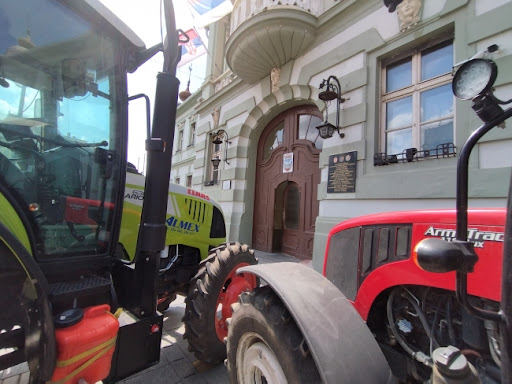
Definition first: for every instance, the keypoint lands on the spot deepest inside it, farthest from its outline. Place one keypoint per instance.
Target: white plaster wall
(504, 92)
(380, 20)
(495, 154)
(253, 92)
(232, 207)
(503, 40)
(431, 8)
(350, 208)
(483, 6)
(344, 68)
(237, 120)
(354, 97)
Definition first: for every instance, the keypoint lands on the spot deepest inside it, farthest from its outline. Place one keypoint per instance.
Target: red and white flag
(192, 49)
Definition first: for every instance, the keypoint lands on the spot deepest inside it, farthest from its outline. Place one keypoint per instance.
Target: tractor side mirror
(440, 256)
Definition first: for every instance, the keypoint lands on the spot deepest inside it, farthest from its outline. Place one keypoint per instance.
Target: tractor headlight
(474, 78)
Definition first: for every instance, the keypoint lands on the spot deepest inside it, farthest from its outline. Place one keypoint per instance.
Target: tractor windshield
(58, 142)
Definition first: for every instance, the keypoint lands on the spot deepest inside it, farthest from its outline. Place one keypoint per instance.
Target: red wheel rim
(232, 287)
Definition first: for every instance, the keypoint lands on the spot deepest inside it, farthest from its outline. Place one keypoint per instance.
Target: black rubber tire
(260, 320)
(209, 283)
(25, 304)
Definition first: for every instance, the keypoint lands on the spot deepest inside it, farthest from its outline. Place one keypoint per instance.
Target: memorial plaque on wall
(342, 173)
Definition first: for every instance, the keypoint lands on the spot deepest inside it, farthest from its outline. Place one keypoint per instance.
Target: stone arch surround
(285, 97)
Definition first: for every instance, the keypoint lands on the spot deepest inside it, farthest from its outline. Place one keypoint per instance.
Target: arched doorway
(286, 204)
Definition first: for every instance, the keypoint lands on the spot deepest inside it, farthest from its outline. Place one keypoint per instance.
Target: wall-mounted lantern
(217, 140)
(331, 92)
(215, 161)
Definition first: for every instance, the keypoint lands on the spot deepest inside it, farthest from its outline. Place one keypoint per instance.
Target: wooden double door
(287, 178)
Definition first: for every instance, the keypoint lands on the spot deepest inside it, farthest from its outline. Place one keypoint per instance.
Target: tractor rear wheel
(26, 325)
(208, 305)
(264, 344)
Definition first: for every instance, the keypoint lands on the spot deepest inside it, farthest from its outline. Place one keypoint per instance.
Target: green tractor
(81, 235)
(196, 262)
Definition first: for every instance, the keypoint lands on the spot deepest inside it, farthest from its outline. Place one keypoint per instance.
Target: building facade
(248, 137)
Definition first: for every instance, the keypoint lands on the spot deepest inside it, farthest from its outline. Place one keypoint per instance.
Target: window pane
(307, 129)
(397, 141)
(436, 133)
(274, 139)
(398, 75)
(292, 208)
(399, 113)
(436, 103)
(436, 61)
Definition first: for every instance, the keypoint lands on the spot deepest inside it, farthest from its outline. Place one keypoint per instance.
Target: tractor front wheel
(208, 305)
(26, 326)
(264, 344)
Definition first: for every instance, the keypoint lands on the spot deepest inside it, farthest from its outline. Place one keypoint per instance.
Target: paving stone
(201, 366)
(173, 353)
(164, 375)
(184, 368)
(216, 375)
(195, 379)
(173, 316)
(24, 378)
(14, 371)
(167, 339)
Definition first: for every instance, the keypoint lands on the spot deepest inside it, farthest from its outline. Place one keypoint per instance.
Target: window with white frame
(177, 180)
(192, 134)
(417, 100)
(189, 181)
(179, 143)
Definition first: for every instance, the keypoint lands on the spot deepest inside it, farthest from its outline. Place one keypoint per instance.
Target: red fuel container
(85, 349)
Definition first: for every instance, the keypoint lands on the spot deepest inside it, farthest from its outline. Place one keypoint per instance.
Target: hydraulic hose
(422, 317)
(417, 355)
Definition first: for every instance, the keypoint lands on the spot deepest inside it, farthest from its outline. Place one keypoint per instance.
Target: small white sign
(288, 162)
(226, 184)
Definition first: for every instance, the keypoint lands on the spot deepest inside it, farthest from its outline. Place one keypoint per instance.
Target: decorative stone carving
(224, 82)
(274, 78)
(409, 13)
(216, 116)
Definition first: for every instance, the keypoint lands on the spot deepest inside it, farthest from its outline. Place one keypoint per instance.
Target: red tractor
(410, 297)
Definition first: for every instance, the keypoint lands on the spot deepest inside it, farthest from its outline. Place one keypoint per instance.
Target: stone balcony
(267, 34)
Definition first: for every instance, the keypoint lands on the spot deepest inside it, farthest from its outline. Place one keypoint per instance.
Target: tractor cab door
(61, 136)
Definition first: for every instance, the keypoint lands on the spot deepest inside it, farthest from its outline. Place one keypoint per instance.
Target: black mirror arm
(172, 51)
(461, 281)
(462, 214)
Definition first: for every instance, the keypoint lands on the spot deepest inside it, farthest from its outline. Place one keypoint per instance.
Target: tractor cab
(63, 136)
(62, 77)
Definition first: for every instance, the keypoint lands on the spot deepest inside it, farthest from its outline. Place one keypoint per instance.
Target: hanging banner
(288, 162)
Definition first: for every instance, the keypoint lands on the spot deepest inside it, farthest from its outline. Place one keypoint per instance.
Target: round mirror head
(474, 78)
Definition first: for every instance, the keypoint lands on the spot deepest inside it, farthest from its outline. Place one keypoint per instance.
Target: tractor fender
(342, 346)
